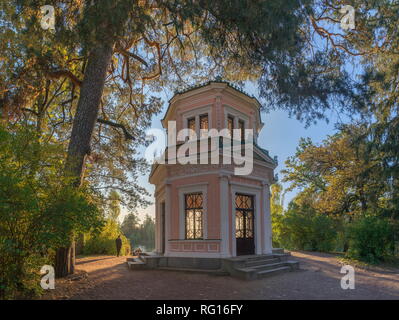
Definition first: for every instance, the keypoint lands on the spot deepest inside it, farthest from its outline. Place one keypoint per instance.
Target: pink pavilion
(206, 210)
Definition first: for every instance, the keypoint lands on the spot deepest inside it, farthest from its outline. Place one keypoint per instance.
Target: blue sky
(280, 135)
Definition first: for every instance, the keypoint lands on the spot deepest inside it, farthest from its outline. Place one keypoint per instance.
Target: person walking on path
(118, 242)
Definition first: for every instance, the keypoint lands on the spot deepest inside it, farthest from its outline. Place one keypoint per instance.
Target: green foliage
(37, 209)
(147, 233)
(303, 229)
(114, 208)
(139, 234)
(375, 41)
(343, 174)
(276, 211)
(276, 199)
(341, 181)
(104, 242)
(371, 239)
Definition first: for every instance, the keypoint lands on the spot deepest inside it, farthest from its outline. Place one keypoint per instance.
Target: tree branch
(65, 73)
(128, 136)
(130, 54)
(31, 111)
(158, 47)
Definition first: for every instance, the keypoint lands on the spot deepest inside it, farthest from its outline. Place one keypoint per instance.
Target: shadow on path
(320, 277)
(80, 261)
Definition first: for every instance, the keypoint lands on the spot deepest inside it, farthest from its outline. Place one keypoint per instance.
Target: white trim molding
(254, 191)
(268, 236)
(168, 196)
(224, 215)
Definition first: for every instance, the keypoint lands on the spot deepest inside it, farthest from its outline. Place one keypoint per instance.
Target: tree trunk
(87, 110)
(79, 244)
(63, 262)
(82, 131)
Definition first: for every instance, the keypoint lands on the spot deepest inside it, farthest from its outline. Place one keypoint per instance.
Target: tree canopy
(342, 172)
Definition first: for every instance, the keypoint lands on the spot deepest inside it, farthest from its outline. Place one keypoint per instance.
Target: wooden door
(244, 221)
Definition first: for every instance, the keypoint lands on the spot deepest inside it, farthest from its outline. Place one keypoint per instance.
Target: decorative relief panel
(195, 246)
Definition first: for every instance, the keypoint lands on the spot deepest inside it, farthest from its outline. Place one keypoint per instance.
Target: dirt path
(105, 277)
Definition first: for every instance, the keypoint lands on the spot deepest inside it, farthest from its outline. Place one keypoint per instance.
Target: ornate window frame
(193, 188)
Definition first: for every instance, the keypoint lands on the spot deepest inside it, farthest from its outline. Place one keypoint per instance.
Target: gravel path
(105, 277)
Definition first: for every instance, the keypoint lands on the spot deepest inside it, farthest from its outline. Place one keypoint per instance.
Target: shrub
(371, 239)
(38, 211)
(310, 231)
(104, 242)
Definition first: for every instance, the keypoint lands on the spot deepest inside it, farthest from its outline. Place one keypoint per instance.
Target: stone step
(269, 266)
(258, 257)
(264, 270)
(246, 259)
(253, 263)
(262, 267)
(271, 256)
(282, 255)
(136, 265)
(212, 272)
(133, 259)
(293, 265)
(136, 259)
(272, 272)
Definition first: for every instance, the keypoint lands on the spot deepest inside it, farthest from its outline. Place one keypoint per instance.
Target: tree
(277, 199)
(38, 210)
(302, 227)
(148, 232)
(130, 226)
(139, 233)
(276, 211)
(342, 173)
(373, 46)
(114, 206)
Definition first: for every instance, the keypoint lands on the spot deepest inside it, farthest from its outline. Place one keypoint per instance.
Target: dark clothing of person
(118, 242)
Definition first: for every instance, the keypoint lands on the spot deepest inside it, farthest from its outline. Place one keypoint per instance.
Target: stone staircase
(259, 266)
